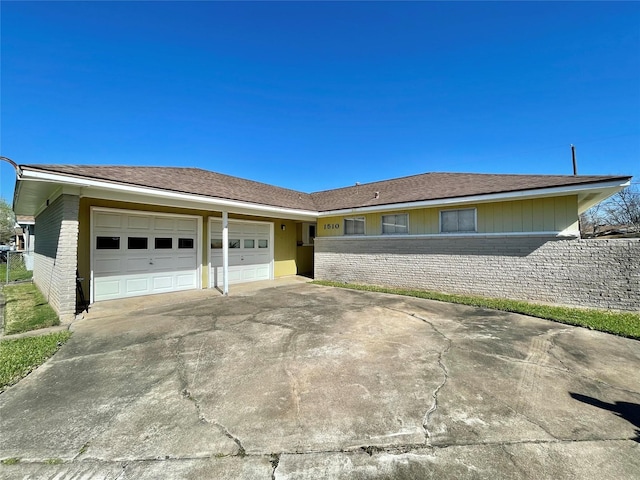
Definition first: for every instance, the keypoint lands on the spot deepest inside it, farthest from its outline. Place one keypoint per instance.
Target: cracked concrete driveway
(299, 381)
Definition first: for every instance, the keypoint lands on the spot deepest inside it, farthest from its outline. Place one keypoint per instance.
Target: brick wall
(55, 257)
(588, 273)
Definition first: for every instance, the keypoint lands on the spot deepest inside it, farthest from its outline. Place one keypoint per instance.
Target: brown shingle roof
(438, 186)
(415, 188)
(189, 180)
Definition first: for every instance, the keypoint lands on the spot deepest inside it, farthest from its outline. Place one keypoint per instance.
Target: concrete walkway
(296, 381)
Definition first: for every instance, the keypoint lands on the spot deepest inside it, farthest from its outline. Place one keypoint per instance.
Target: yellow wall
(554, 214)
(285, 254)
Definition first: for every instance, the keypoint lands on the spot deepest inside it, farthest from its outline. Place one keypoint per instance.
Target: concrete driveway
(299, 381)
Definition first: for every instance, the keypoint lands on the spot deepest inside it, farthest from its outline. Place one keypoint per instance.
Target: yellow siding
(532, 215)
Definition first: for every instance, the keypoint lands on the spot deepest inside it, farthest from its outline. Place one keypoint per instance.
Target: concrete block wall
(589, 273)
(55, 254)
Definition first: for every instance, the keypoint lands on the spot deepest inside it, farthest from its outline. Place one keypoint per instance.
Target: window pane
(394, 224)
(186, 243)
(249, 243)
(216, 243)
(137, 243)
(449, 221)
(263, 243)
(164, 243)
(354, 226)
(234, 243)
(466, 220)
(458, 220)
(107, 243)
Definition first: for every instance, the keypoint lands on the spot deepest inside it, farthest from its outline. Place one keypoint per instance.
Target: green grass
(10, 461)
(624, 324)
(21, 356)
(26, 309)
(17, 270)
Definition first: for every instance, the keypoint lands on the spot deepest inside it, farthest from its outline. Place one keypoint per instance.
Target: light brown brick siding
(56, 248)
(588, 273)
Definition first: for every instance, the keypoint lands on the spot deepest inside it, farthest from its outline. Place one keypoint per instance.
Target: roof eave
(98, 188)
(606, 188)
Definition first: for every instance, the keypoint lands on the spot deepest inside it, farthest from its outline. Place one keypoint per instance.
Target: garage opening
(250, 251)
(141, 253)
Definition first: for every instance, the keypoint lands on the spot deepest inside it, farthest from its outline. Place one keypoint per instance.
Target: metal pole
(225, 253)
(573, 157)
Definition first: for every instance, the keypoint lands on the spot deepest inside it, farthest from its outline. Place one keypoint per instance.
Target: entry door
(250, 252)
(140, 254)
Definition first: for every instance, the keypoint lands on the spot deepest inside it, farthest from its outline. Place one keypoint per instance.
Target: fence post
(8, 259)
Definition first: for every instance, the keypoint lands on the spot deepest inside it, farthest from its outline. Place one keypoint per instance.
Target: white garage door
(250, 252)
(140, 254)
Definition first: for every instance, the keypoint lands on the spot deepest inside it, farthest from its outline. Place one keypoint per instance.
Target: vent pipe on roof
(573, 157)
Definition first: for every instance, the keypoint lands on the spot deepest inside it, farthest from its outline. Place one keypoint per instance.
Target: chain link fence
(15, 266)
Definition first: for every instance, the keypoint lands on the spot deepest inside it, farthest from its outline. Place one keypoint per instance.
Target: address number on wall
(331, 226)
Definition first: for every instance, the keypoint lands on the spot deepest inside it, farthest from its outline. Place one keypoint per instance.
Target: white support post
(225, 253)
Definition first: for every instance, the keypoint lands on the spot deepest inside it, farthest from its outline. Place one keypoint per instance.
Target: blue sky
(313, 96)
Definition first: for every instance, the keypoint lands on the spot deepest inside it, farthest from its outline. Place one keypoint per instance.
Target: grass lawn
(20, 356)
(624, 324)
(16, 272)
(26, 309)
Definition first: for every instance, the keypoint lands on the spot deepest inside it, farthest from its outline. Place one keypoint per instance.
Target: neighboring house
(25, 238)
(130, 231)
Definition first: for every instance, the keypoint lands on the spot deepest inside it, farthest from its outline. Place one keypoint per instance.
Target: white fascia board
(494, 197)
(175, 198)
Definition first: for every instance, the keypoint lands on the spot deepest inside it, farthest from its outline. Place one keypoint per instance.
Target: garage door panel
(136, 285)
(137, 264)
(107, 266)
(125, 272)
(187, 279)
(164, 224)
(187, 225)
(137, 222)
(107, 220)
(163, 282)
(109, 288)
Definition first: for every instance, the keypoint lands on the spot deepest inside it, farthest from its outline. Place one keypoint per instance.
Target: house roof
(412, 189)
(440, 186)
(189, 180)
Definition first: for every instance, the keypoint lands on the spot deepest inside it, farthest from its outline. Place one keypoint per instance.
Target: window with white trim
(395, 224)
(458, 221)
(354, 226)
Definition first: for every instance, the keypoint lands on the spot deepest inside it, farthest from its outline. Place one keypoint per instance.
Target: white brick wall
(589, 273)
(55, 259)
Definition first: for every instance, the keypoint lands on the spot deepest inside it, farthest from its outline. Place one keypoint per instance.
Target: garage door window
(263, 243)
(107, 243)
(234, 243)
(216, 243)
(137, 243)
(249, 243)
(185, 243)
(164, 243)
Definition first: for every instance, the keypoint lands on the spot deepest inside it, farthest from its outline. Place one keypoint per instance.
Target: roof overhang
(36, 189)
(588, 195)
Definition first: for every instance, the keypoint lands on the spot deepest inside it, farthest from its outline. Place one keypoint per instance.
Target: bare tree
(624, 208)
